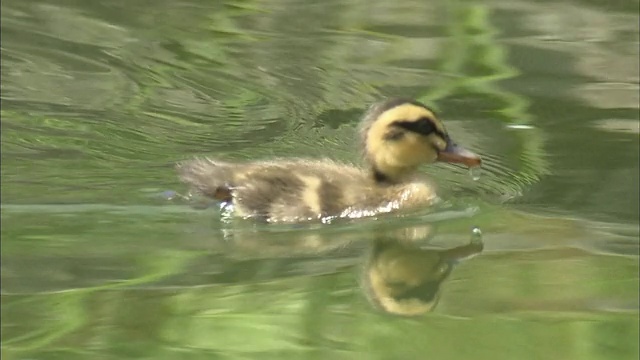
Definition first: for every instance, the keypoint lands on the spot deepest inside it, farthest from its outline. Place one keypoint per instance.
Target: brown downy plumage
(398, 135)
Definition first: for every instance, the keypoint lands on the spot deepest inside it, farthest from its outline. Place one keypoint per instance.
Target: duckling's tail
(209, 177)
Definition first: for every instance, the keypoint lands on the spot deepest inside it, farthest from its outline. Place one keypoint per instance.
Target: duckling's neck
(380, 177)
(390, 176)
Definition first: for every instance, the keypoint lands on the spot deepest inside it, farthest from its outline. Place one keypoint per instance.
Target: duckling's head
(401, 134)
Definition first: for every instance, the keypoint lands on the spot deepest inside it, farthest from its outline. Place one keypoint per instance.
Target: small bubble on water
(476, 234)
(475, 172)
(168, 195)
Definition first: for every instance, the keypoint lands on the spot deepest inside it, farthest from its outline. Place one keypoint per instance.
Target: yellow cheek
(438, 142)
(415, 150)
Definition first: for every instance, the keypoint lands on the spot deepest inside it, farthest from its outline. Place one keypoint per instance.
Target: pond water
(101, 98)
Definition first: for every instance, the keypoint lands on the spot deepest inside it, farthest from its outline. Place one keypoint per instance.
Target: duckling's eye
(422, 126)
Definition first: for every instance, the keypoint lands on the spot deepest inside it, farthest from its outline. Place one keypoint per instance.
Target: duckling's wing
(296, 190)
(210, 177)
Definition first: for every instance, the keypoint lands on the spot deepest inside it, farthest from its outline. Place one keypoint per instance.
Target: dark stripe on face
(423, 126)
(394, 134)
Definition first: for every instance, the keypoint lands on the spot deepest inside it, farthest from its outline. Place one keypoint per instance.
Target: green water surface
(100, 99)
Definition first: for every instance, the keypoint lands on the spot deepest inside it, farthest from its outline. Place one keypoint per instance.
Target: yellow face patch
(438, 142)
(408, 150)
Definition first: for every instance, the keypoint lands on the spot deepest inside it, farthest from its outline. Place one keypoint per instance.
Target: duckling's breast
(385, 199)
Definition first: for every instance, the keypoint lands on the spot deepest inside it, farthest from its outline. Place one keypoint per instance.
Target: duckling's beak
(457, 154)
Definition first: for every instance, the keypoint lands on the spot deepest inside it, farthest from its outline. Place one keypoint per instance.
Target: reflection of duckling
(398, 135)
(403, 279)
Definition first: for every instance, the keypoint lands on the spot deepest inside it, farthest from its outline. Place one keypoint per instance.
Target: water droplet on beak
(475, 172)
(476, 235)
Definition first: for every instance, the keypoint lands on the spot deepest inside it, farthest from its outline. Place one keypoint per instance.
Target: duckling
(398, 135)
